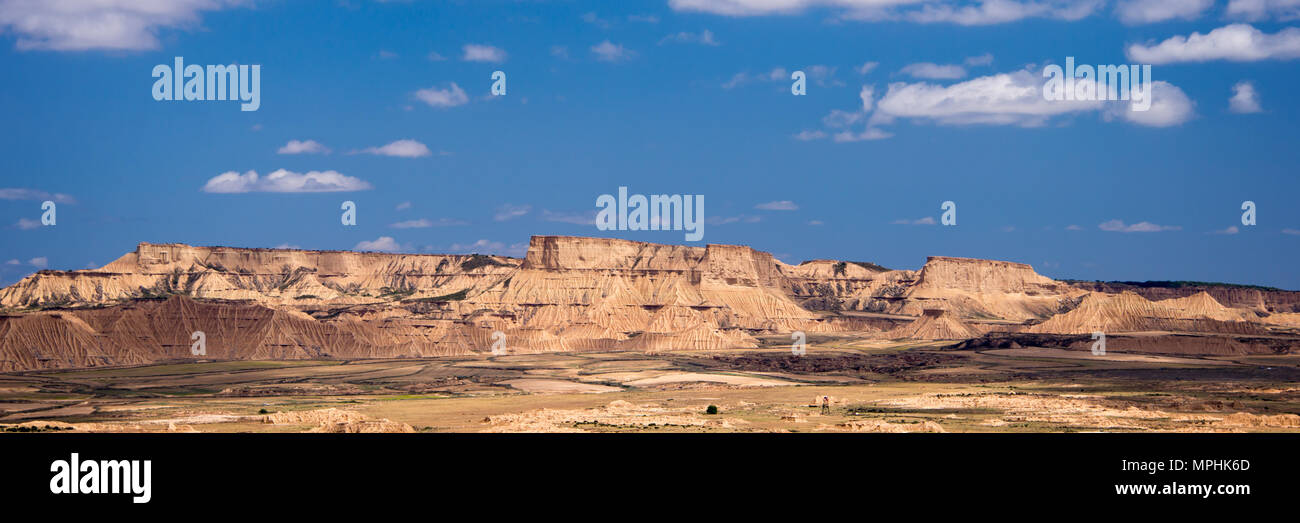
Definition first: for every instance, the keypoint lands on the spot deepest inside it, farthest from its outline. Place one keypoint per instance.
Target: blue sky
(664, 97)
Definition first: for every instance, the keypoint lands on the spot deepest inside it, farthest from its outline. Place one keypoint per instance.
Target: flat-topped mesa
(579, 253)
(973, 274)
(712, 264)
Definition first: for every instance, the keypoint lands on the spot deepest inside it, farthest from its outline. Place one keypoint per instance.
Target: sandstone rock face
(567, 294)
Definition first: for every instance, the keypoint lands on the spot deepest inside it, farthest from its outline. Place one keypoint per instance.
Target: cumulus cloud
(607, 51)
(780, 205)
(79, 25)
(1254, 10)
(510, 212)
(483, 53)
(450, 96)
(1148, 11)
(1008, 98)
(1244, 99)
(402, 149)
(303, 147)
(934, 71)
(1169, 107)
(704, 37)
(866, 68)
(1119, 226)
(381, 244)
(33, 194)
(283, 181)
(1235, 42)
(40, 262)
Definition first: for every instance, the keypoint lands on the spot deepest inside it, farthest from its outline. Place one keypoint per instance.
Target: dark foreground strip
(638, 476)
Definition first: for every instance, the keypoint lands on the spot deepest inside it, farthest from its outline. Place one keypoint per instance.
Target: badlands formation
(590, 294)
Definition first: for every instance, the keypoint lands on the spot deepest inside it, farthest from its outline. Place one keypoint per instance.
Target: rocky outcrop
(566, 294)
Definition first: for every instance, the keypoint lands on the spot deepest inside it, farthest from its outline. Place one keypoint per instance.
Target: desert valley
(595, 334)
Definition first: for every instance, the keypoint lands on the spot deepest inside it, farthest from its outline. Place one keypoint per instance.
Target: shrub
(713, 409)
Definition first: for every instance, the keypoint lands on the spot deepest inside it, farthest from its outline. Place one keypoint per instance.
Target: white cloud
(1006, 99)
(646, 19)
(1244, 99)
(33, 194)
(303, 147)
(868, 134)
(27, 225)
(560, 51)
(607, 51)
(781, 205)
(934, 71)
(1073, 228)
(1230, 230)
(777, 74)
(979, 60)
(816, 222)
(1254, 10)
(424, 223)
(406, 148)
(928, 220)
(451, 96)
(13, 262)
(704, 37)
(483, 53)
(78, 25)
(1293, 232)
(988, 12)
(724, 220)
(1148, 11)
(283, 181)
(435, 56)
(1236, 42)
(866, 67)
(1169, 107)
(286, 245)
(403, 206)
(40, 262)
(381, 244)
(976, 12)
(1119, 226)
(510, 212)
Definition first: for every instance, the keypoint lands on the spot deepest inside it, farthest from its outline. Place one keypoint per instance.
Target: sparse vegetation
(479, 260)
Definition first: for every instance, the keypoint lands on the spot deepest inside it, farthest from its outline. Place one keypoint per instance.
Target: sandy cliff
(566, 294)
